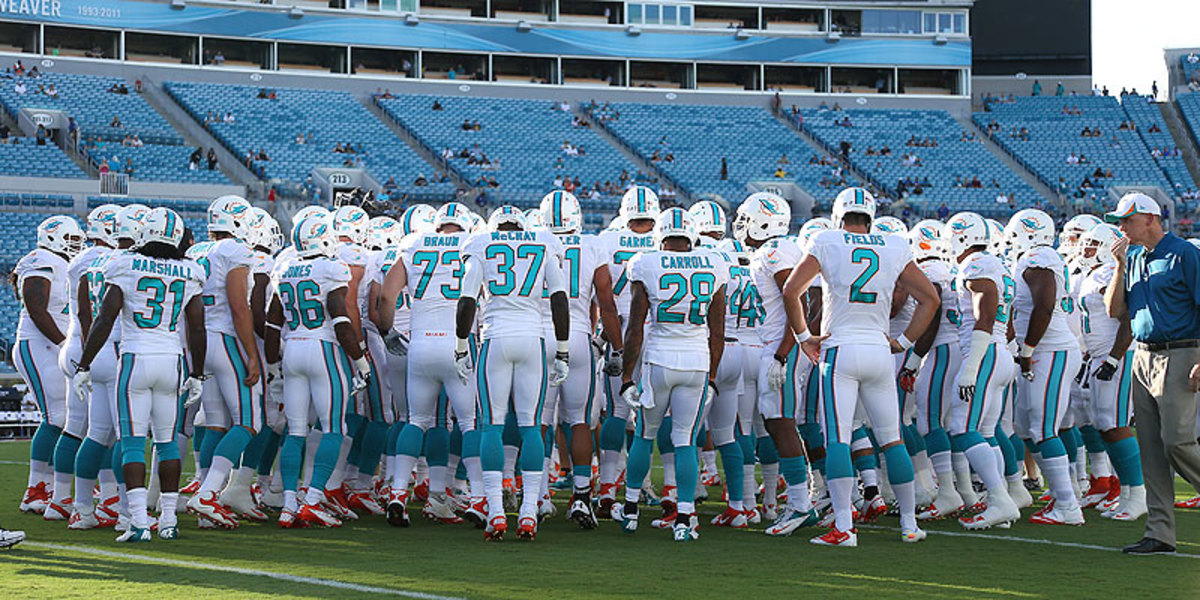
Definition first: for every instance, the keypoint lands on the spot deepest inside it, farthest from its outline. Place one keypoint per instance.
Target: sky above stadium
(1128, 40)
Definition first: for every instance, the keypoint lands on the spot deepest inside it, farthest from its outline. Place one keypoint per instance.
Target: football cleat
(667, 502)
(337, 503)
(1045, 509)
(36, 499)
(527, 528)
(238, 500)
(205, 523)
(206, 505)
(397, 510)
(291, 520)
(711, 480)
(935, 512)
(628, 521)
(81, 521)
(726, 518)
(1059, 516)
(496, 526)
(10, 538)
(687, 531)
(842, 539)
(752, 516)
(440, 508)
(271, 498)
(830, 517)
(317, 515)
(170, 532)
(123, 523)
(768, 512)
(477, 513)
(1097, 491)
(651, 497)
(546, 508)
(135, 535)
(607, 496)
(107, 509)
(1132, 507)
(666, 521)
(509, 495)
(58, 511)
(912, 536)
(364, 502)
(975, 508)
(997, 514)
(873, 509)
(581, 511)
(192, 487)
(1189, 503)
(792, 519)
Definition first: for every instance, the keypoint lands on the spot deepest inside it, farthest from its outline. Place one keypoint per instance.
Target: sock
(492, 486)
(232, 444)
(374, 438)
(1010, 464)
(1055, 466)
(581, 478)
(209, 442)
(709, 459)
(167, 504)
(668, 466)
(64, 466)
(732, 459)
(1127, 461)
(290, 458)
(325, 461)
(962, 478)
(510, 461)
(311, 443)
(289, 501)
(982, 459)
(637, 467)
(1072, 451)
(687, 475)
(137, 508)
(338, 475)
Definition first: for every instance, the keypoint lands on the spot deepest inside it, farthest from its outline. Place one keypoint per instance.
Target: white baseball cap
(1131, 204)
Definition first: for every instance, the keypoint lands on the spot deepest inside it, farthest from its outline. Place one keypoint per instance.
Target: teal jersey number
(1009, 293)
(155, 303)
(1087, 315)
(700, 285)
(572, 256)
(302, 304)
(428, 260)
(95, 290)
(535, 253)
(858, 257)
(746, 305)
(620, 258)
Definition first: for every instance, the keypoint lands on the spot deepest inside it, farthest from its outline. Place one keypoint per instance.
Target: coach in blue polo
(1157, 288)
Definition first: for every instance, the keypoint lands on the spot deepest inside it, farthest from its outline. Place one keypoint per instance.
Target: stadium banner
(470, 37)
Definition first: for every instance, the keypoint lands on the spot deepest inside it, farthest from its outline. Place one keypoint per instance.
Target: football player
(684, 289)
(150, 288)
(860, 271)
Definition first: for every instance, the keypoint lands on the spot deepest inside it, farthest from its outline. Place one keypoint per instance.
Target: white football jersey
(75, 271)
(582, 255)
(620, 246)
(219, 258)
(779, 254)
(516, 269)
(938, 273)
(357, 256)
(434, 268)
(1058, 334)
(53, 268)
(155, 292)
(860, 272)
(95, 278)
(303, 287)
(680, 287)
(982, 265)
(1098, 329)
(744, 312)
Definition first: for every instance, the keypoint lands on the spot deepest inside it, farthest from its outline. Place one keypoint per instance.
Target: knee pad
(133, 450)
(167, 451)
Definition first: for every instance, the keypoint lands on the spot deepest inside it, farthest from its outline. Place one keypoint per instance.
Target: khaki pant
(1165, 412)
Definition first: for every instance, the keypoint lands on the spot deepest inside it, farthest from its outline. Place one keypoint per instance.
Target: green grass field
(370, 559)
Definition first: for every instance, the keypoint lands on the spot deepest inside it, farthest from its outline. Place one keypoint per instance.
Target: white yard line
(1044, 542)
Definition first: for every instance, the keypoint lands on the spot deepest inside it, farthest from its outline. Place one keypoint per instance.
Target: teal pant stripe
(591, 397)
(375, 393)
(789, 384)
(335, 386)
(937, 381)
(982, 381)
(245, 416)
(35, 378)
(181, 371)
(481, 382)
(1123, 388)
(812, 396)
(124, 412)
(832, 433)
(1053, 387)
(542, 390)
(695, 432)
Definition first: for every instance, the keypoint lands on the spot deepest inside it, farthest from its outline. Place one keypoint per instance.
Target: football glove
(362, 374)
(1107, 369)
(81, 382)
(776, 373)
(396, 342)
(462, 360)
(631, 395)
(190, 390)
(613, 364)
(561, 367)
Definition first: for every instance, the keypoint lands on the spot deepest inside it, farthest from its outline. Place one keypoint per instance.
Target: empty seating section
(154, 162)
(1191, 70)
(749, 139)
(1059, 155)
(331, 118)
(522, 144)
(27, 159)
(1189, 108)
(86, 99)
(1152, 128)
(186, 208)
(931, 158)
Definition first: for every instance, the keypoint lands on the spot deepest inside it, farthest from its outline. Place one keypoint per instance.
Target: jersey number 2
(858, 257)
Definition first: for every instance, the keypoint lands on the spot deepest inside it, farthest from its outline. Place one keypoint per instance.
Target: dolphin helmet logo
(1031, 225)
(768, 207)
(960, 226)
(53, 226)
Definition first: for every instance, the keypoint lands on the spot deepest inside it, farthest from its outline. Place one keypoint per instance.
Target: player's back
(434, 268)
(772, 257)
(303, 286)
(514, 274)
(582, 255)
(52, 267)
(620, 246)
(75, 271)
(980, 266)
(860, 273)
(155, 292)
(1058, 334)
(1099, 330)
(939, 274)
(744, 312)
(382, 262)
(680, 287)
(218, 258)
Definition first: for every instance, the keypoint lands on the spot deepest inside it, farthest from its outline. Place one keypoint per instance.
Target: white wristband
(564, 346)
(1025, 350)
(460, 345)
(802, 336)
(904, 342)
(1111, 360)
(341, 319)
(362, 365)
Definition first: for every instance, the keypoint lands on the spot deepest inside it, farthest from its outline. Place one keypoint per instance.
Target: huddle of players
(368, 337)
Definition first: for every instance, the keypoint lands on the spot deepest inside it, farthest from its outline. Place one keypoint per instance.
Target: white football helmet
(616, 224)
(352, 223)
(708, 218)
(1070, 241)
(384, 232)
(314, 237)
(229, 214)
(1101, 237)
(674, 222)
(925, 239)
(162, 225)
(129, 221)
(561, 212)
(639, 202)
(814, 226)
(735, 249)
(997, 242)
(60, 234)
(890, 225)
(309, 211)
(454, 213)
(263, 231)
(506, 214)
(533, 219)
(1029, 229)
(478, 223)
(852, 200)
(763, 216)
(418, 218)
(963, 231)
(102, 224)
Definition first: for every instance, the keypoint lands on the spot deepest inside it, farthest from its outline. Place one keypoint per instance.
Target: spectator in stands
(780, 173)
(466, 125)
(1087, 131)
(19, 88)
(129, 167)
(212, 159)
(1154, 128)
(437, 105)
(1059, 90)
(218, 58)
(1037, 88)
(229, 118)
(136, 142)
(452, 74)
(116, 122)
(52, 91)
(18, 68)
(41, 135)
(724, 170)
(420, 181)
(1192, 58)
(1072, 159)
(943, 212)
(262, 93)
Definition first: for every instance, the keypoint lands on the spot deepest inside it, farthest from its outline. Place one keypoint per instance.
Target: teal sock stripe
(234, 443)
(937, 440)
(1018, 446)
(687, 473)
(491, 447)
(1092, 439)
(541, 404)
(326, 458)
(1070, 447)
(970, 439)
(291, 459)
(372, 446)
(393, 435)
(456, 441)
(665, 444)
(639, 462)
(470, 444)
(1052, 392)
(532, 450)
(270, 452)
(862, 462)
(591, 394)
(899, 464)
(765, 448)
(35, 378)
(548, 441)
(747, 444)
(245, 416)
(1124, 387)
(812, 398)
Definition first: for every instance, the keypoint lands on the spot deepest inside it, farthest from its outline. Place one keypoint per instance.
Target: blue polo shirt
(1163, 291)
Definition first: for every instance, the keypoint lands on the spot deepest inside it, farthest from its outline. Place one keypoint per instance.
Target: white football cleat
(439, 507)
(837, 538)
(1059, 516)
(912, 536)
(628, 522)
(686, 532)
(237, 499)
(1000, 511)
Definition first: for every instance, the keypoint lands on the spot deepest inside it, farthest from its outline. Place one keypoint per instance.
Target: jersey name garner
(860, 239)
(162, 268)
(686, 262)
(629, 241)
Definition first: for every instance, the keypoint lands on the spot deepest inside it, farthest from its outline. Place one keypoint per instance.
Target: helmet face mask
(1095, 247)
(925, 239)
(506, 215)
(102, 224)
(384, 233)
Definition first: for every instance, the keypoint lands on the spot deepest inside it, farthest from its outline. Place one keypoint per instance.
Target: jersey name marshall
(167, 269)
